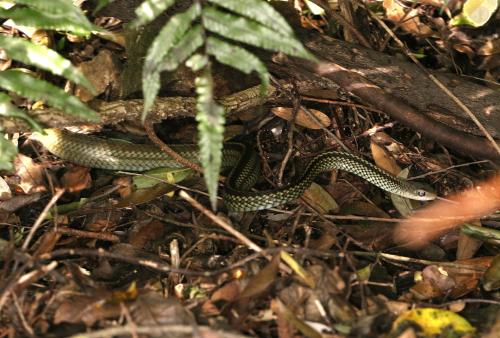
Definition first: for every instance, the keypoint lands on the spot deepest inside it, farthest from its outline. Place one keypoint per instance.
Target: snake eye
(421, 193)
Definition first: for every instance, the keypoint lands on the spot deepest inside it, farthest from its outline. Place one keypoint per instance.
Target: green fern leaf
(45, 20)
(42, 57)
(168, 37)
(210, 117)
(252, 33)
(238, 58)
(258, 10)
(7, 109)
(7, 153)
(184, 48)
(36, 89)
(52, 6)
(149, 10)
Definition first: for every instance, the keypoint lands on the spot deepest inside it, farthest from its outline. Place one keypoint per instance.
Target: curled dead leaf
(303, 119)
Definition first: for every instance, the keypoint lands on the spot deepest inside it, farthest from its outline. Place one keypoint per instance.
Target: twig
(41, 218)
(103, 236)
(148, 125)
(220, 222)
(291, 127)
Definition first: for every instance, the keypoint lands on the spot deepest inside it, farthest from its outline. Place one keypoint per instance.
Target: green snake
(100, 153)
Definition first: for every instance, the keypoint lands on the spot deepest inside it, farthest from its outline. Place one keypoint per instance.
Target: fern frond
(257, 10)
(184, 48)
(36, 89)
(150, 10)
(45, 20)
(52, 6)
(238, 58)
(168, 37)
(42, 57)
(210, 117)
(252, 33)
(7, 153)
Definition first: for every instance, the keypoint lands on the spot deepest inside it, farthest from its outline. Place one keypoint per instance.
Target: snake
(113, 154)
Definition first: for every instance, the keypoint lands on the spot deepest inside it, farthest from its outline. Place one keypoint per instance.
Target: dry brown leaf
(467, 245)
(5, 192)
(19, 201)
(102, 72)
(143, 234)
(302, 118)
(454, 282)
(320, 199)
(408, 21)
(262, 280)
(125, 184)
(152, 309)
(442, 216)
(85, 309)
(47, 243)
(384, 160)
(425, 290)
(76, 179)
(30, 173)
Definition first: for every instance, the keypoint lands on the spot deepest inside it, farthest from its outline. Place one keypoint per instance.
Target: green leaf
(7, 109)
(74, 24)
(149, 10)
(184, 48)
(197, 62)
(36, 89)
(252, 33)
(238, 58)
(210, 117)
(52, 6)
(258, 10)
(476, 13)
(42, 57)
(165, 175)
(169, 36)
(7, 153)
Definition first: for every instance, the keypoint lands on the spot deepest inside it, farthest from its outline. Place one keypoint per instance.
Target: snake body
(95, 152)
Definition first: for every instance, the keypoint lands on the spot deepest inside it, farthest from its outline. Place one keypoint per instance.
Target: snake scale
(95, 152)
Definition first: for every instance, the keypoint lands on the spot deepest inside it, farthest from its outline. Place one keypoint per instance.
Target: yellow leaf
(298, 269)
(434, 321)
(479, 11)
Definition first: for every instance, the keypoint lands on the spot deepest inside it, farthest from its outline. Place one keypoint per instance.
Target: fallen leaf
(384, 160)
(102, 72)
(302, 118)
(76, 179)
(434, 321)
(408, 20)
(262, 280)
(320, 199)
(467, 245)
(5, 192)
(31, 174)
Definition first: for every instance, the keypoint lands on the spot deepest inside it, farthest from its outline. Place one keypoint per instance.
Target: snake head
(424, 192)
